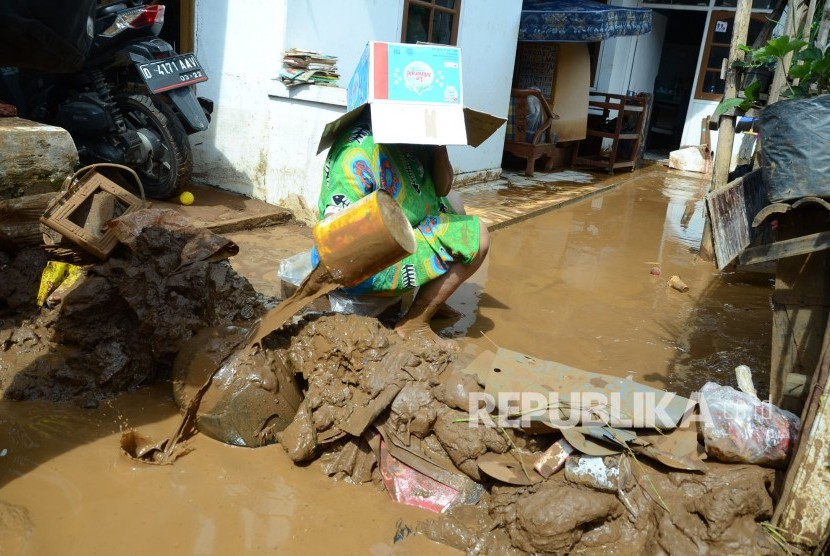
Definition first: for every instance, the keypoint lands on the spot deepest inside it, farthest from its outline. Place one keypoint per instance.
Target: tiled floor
(516, 197)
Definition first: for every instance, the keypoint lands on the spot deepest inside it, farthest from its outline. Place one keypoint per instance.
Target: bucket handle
(72, 181)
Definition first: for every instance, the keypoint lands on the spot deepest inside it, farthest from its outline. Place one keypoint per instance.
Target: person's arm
(442, 173)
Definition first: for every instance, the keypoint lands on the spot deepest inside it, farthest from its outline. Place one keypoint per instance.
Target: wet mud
(121, 325)
(575, 286)
(349, 364)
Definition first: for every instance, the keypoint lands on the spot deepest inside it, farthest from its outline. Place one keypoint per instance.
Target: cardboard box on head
(414, 93)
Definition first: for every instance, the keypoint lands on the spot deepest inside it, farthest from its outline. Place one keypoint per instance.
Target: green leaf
(752, 93)
(801, 71)
(780, 47)
(808, 54)
(725, 105)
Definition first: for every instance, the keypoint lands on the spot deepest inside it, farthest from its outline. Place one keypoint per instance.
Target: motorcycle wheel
(170, 165)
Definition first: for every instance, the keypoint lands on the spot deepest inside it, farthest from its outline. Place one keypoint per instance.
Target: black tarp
(795, 148)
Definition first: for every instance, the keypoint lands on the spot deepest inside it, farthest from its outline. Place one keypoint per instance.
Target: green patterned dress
(357, 166)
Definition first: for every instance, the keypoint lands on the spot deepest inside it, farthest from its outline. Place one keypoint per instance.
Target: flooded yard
(575, 285)
(585, 285)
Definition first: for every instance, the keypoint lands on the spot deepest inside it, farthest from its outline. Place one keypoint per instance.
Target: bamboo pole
(726, 122)
(800, 15)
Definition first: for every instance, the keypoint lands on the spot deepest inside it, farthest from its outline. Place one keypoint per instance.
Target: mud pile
(363, 381)
(122, 323)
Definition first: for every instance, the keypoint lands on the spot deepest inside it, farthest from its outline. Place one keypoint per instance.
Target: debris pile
(124, 320)
(395, 412)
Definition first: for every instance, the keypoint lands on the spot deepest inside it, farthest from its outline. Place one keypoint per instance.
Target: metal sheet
(522, 377)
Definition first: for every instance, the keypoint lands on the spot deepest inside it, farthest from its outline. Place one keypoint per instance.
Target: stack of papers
(306, 66)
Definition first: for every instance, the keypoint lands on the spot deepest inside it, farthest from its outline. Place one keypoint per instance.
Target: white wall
(263, 137)
(487, 34)
(238, 42)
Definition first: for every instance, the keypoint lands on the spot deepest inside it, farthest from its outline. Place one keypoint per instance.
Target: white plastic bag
(741, 428)
(295, 269)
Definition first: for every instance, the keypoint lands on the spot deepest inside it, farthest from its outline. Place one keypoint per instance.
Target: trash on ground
(600, 473)
(56, 276)
(744, 429)
(553, 459)
(86, 202)
(513, 468)
(408, 486)
(140, 448)
(576, 391)
(691, 159)
(678, 284)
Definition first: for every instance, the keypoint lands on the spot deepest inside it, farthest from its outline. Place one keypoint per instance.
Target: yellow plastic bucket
(364, 238)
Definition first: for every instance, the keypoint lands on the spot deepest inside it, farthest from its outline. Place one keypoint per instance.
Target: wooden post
(800, 19)
(726, 123)
(802, 508)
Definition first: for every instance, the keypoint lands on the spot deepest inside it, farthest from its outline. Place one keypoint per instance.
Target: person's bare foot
(417, 330)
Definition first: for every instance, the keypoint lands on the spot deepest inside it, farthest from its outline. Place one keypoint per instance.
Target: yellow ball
(186, 198)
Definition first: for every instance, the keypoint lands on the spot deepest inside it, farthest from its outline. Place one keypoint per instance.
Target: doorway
(675, 78)
(178, 24)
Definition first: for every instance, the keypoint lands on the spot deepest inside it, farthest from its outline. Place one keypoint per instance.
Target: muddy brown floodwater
(574, 286)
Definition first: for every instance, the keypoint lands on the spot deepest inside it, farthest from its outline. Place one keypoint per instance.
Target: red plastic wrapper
(738, 427)
(411, 487)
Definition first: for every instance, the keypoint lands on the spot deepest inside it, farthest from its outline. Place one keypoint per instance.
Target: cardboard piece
(415, 96)
(589, 444)
(678, 449)
(629, 403)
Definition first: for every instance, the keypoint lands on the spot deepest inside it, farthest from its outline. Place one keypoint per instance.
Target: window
(710, 86)
(433, 21)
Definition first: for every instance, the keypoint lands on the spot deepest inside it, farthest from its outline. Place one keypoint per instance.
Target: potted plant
(795, 132)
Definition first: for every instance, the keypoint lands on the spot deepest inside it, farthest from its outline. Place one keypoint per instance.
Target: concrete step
(224, 212)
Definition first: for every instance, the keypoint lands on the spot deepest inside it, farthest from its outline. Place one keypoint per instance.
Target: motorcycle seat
(102, 11)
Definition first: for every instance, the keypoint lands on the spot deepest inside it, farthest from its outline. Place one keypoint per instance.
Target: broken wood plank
(787, 248)
(732, 210)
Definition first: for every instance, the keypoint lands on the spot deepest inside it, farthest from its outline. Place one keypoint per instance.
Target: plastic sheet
(744, 429)
(294, 269)
(795, 160)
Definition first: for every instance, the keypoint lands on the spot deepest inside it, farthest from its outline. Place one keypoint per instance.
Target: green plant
(808, 75)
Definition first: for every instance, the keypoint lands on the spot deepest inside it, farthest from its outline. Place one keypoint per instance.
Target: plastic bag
(294, 269)
(741, 428)
(364, 305)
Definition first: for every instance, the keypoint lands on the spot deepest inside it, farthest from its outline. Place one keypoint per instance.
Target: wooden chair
(532, 144)
(620, 119)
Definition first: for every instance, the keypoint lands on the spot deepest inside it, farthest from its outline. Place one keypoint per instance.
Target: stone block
(34, 158)
(690, 159)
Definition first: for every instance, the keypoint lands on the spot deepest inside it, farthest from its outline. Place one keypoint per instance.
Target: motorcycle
(131, 103)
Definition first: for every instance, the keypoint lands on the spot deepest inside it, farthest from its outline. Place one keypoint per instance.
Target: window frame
(455, 12)
(714, 17)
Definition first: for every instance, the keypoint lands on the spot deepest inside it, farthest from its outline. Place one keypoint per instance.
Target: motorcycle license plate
(172, 73)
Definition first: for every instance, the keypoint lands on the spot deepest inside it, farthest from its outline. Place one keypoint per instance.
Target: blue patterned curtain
(580, 21)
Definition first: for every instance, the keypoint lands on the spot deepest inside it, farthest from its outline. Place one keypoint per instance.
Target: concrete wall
(487, 34)
(263, 138)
